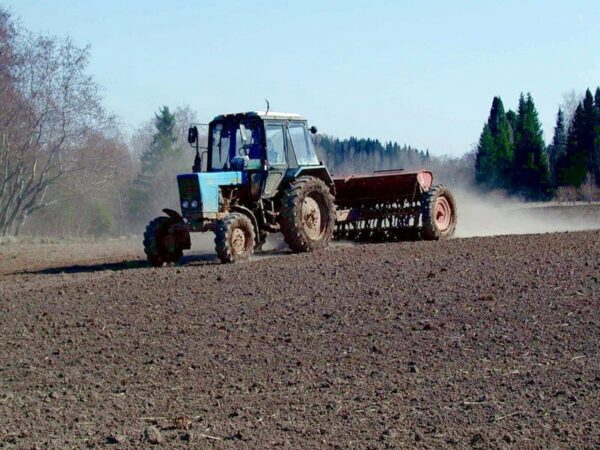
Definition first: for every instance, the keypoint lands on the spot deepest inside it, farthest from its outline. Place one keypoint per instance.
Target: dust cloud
(495, 214)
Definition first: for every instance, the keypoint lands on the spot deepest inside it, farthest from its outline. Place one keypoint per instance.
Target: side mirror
(313, 129)
(192, 135)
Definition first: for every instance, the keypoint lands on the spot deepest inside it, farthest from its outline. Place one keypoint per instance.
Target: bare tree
(571, 100)
(50, 105)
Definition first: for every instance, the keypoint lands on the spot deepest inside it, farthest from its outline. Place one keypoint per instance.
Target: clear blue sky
(422, 73)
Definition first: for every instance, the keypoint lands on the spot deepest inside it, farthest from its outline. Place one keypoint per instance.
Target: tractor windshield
(229, 140)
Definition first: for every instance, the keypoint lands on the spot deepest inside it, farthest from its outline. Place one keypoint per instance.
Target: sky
(419, 73)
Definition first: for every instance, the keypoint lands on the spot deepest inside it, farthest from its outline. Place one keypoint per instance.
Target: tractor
(260, 174)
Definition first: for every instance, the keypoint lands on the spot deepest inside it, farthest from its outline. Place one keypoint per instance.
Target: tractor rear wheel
(438, 213)
(160, 245)
(234, 238)
(307, 215)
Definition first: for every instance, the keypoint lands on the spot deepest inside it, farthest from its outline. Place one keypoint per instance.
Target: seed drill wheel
(234, 238)
(307, 215)
(438, 213)
(160, 245)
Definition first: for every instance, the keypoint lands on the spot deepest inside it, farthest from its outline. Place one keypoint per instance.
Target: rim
(311, 219)
(238, 241)
(442, 214)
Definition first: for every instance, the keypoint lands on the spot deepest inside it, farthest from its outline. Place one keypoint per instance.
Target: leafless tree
(571, 100)
(50, 106)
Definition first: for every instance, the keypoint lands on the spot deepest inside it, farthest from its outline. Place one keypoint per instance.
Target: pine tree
(572, 167)
(588, 130)
(531, 175)
(152, 159)
(495, 150)
(558, 147)
(596, 150)
(511, 116)
(163, 142)
(503, 148)
(580, 159)
(484, 160)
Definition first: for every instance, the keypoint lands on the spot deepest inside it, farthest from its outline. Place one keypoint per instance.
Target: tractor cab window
(221, 145)
(231, 139)
(303, 146)
(247, 140)
(275, 144)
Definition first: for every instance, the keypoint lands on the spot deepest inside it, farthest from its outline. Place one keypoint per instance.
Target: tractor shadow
(188, 260)
(202, 259)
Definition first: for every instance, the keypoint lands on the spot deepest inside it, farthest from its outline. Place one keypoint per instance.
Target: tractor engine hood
(199, 193)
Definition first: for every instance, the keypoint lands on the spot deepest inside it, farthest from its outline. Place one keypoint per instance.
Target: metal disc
(311, 219)
(238, 241)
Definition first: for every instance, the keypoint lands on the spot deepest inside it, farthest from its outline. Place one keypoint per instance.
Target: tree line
(346, 156)
(512, 155)
(360, 155)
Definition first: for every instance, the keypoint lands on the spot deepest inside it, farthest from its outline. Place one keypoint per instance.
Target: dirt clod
(187, 437)
(152, 435)
(116, 439)
(182, 423)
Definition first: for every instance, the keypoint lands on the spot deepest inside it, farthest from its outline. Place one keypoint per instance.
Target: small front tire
(234, 238)
(160, 245)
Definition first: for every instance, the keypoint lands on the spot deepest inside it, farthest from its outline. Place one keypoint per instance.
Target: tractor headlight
(185, 204)
(194, 204)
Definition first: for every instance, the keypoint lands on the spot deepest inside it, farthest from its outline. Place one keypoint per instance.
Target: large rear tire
(438, 214)
(307, 215)
(234, 238)
(161, 246)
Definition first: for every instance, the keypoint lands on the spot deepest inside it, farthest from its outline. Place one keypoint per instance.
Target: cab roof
(262, 115)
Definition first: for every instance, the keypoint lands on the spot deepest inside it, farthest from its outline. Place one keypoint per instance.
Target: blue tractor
(259, 174)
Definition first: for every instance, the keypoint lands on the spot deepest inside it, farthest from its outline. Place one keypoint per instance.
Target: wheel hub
(311, 218)
(442, 213)
(238, 241)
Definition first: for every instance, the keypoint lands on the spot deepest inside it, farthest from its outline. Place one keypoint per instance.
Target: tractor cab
(263, 140)
(250, 153)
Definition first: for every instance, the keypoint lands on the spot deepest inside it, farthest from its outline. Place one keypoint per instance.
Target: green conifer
(503, 153)
(484, 162)
(531, 175)
(573, 166)
(152, 158)
(558, 147)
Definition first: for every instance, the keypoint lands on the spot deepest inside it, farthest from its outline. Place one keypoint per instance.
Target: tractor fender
(173, 214)
(320, 172)
(247, 212)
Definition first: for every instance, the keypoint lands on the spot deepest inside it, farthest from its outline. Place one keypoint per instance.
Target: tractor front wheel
(160, 244)
(438, 213)
(234, 238)
(307, 215)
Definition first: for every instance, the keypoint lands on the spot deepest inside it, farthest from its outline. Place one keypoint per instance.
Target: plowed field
(485, 342)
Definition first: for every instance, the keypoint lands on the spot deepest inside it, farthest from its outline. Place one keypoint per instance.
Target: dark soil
(482, 342)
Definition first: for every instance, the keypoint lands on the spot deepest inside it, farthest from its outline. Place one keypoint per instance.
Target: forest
(512, 155)
(69, 169)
